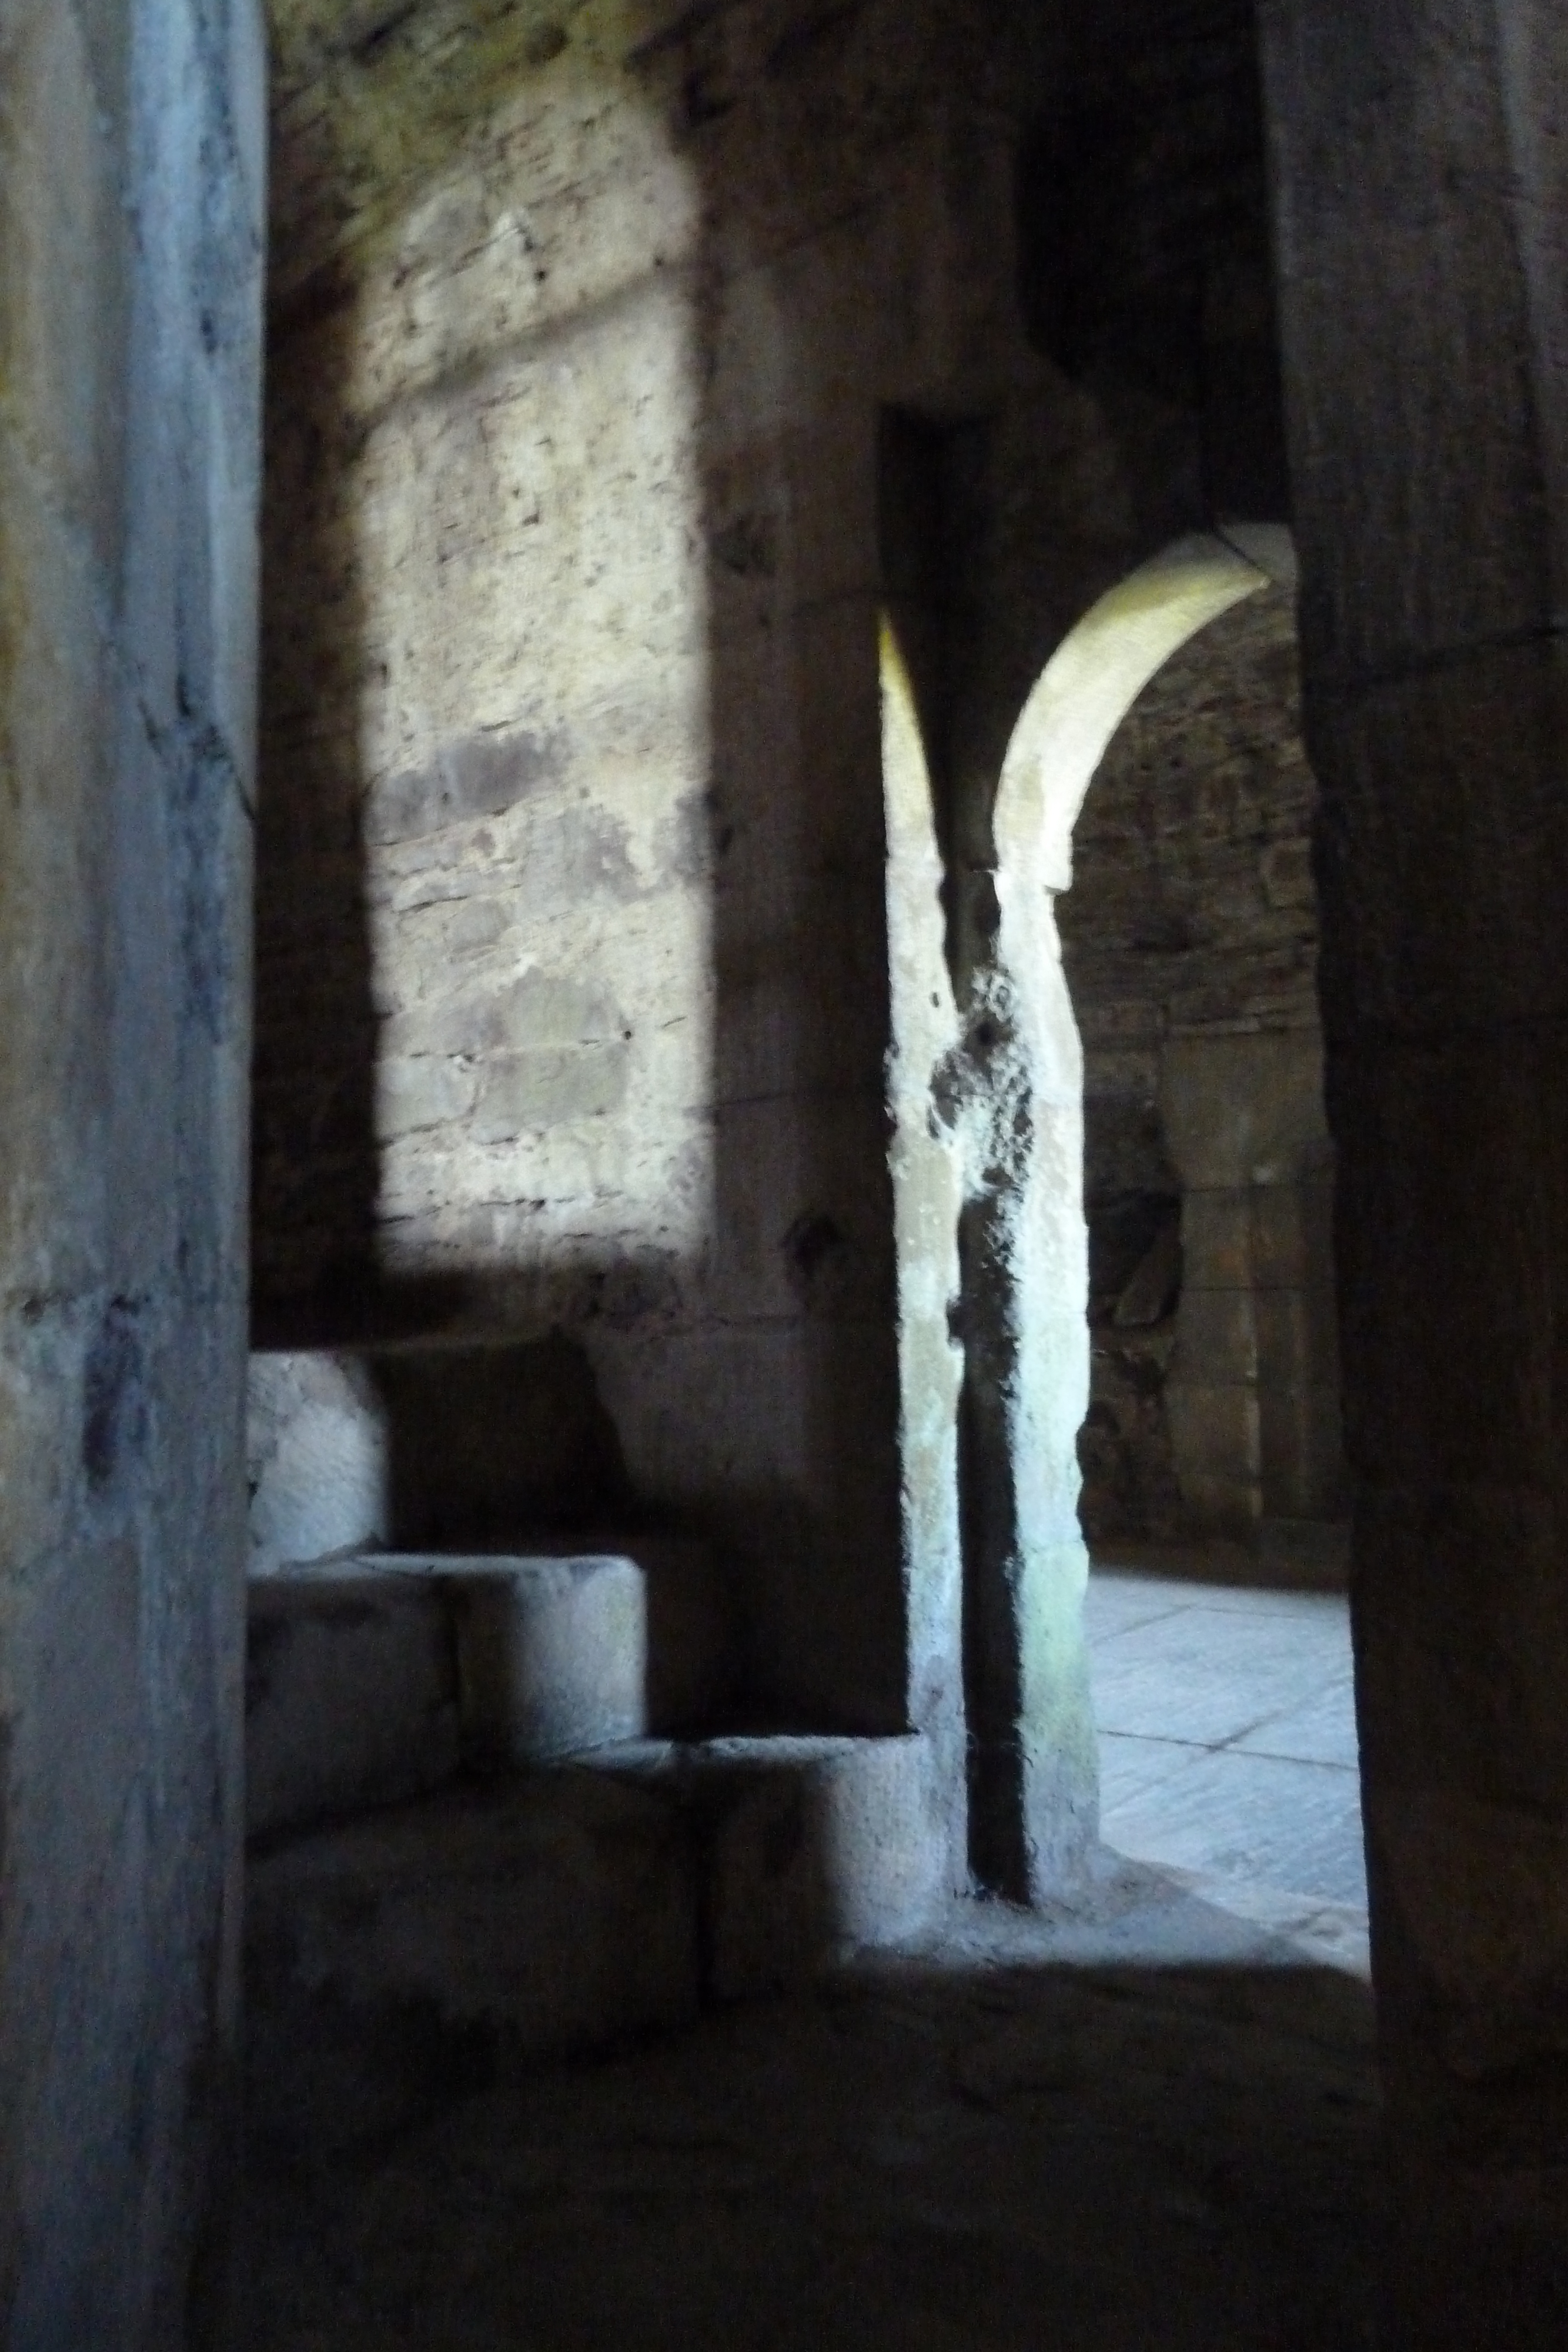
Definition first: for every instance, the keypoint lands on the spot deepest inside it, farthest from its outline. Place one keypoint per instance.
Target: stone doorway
(1213, 1493)
(1189, 942)
(1141, 1042)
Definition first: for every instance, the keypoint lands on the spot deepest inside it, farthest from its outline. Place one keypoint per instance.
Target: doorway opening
(1173, 1372)
(1213, 1495)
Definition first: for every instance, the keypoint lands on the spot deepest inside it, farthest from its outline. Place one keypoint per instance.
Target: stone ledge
(371, 1678)
(398, 1961)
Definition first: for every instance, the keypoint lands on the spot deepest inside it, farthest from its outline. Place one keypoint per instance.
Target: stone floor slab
(1257, 1819)
(1211, 1676)
(1228, 1733)
(1319, 1730)
(1129, 1764)
(1115, 1605)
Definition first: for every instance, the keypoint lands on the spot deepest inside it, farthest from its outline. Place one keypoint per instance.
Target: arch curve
(986, 1087)
(1097, 673)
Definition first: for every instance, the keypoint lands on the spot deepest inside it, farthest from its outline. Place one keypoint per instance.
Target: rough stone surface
(585, 491)
(396, 1961)
(572, 1652)
(552, 1656)
(1153, 2125)
(819, 1844)
(1422, 202)
(629, 360)
(807, 1845)
(351, 1693)
(1010, 1092)
(494, 1449)
(563, 519)
(1190, 941)
(131, 198)
(369, 1677)
(317, 1459)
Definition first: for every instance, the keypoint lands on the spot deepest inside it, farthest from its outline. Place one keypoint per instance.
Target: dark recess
(1144, 255)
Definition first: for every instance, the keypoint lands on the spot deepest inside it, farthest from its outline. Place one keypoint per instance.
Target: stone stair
(376, 1677)
(495, 1815)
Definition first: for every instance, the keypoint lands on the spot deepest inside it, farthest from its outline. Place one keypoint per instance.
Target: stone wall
(1422, 187)
(588, 325)
(131, 170)
(573, 968)
(1190, 937)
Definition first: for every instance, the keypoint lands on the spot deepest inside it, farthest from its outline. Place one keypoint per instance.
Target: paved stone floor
(1146, 2123)
(1228, 1731)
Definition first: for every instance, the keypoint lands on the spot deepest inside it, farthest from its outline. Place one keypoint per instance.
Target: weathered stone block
(429, 1090)
(1215, 1447)
(362, 1671)
(1290, 1235)
(552, 1654)
(548, 1086)
(1283, 1328)
(808, 1844)
(317, 1459)
(1216, 1229)
(1217, 1338)
(455, 1015)
(475, 775)
(814, 1845)
(396, 1962)
(1243, 1110)
(1301, 1454)
(350, 1693)
(1285, 869)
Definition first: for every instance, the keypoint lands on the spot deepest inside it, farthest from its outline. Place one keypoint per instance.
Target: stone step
(429, 1446)
(808, 1843)
(369, 1679)
(400, 1959)
(350, 1693)
(397, 1961)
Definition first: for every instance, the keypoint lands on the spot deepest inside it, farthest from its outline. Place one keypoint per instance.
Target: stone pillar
(1013, 1089)
(1253, 1397)
(132, 163)
(1420, 155)
(1010, 1092)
